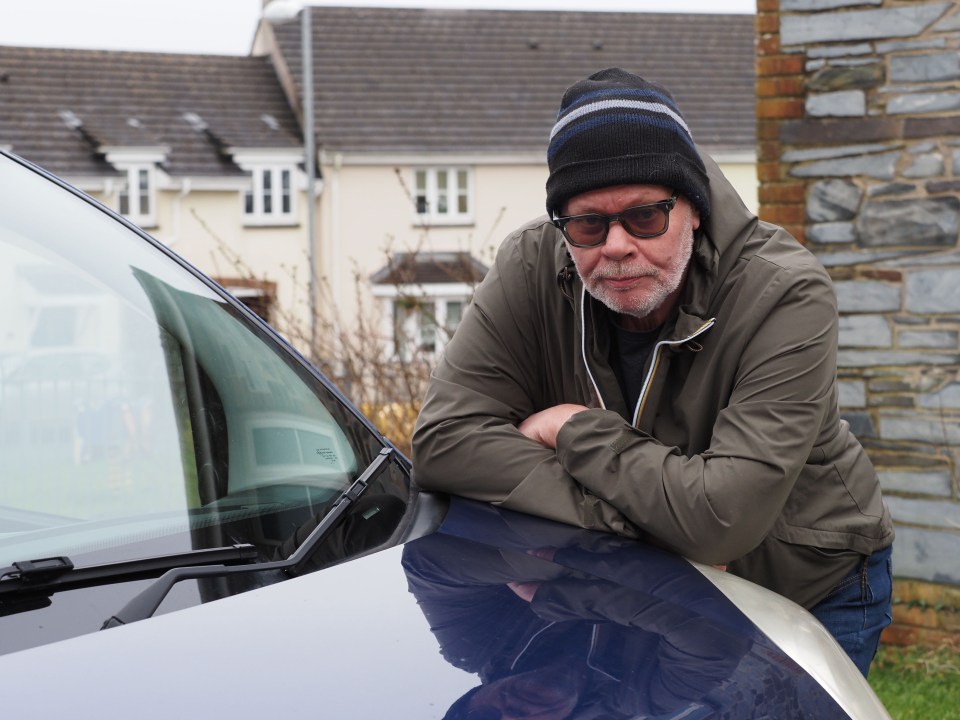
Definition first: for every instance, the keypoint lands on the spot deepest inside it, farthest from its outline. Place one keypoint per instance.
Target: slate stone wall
(858, 113)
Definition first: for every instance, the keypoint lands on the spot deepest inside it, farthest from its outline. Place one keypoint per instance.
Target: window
(142, 174)
(425, 295)
(136, 196)
(270, 197)
(443, 195)
(424, 326)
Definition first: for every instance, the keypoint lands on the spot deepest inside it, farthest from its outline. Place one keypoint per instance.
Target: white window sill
(270, 222)
(444, 222)
(142, 223)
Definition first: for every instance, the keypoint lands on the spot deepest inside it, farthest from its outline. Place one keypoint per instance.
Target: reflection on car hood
(585, 623)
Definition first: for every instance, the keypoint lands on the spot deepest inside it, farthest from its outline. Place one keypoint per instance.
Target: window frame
(268, 200)
(441, 296)
(136, 163)
(427, 195)
(140, 186)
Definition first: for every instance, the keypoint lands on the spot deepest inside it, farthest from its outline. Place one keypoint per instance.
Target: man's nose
(619, 243)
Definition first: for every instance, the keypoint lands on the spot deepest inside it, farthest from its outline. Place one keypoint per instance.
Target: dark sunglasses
(642, 221)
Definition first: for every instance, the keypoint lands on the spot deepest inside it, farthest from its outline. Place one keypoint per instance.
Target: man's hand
(524, 590)
(543, 426)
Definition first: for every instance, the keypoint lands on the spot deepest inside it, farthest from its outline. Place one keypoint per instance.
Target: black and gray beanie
(615, 128)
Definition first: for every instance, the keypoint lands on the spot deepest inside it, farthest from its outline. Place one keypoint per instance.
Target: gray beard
(667, 281)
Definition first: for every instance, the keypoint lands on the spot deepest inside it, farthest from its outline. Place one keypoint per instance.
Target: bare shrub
(384, 374)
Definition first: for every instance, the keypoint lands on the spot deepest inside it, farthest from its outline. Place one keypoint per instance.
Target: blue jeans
(858, 609)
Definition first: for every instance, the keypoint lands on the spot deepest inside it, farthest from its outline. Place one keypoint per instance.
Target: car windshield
(140, 411)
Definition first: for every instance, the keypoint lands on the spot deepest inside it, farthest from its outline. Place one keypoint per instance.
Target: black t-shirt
(628, 354)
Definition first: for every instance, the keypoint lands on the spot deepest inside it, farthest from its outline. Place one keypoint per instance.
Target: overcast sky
(227, 26)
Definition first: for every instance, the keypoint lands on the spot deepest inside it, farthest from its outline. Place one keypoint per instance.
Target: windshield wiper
(39, 579)
(146, 603)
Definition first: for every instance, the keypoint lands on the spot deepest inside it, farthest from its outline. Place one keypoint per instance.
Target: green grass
(918, 682)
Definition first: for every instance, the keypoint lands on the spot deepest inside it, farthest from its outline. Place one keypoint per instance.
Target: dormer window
(270, 198)
(137, 190)
(137, 195)
(275, 181)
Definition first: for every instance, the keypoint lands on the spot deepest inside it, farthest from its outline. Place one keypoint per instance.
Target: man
(654, 361)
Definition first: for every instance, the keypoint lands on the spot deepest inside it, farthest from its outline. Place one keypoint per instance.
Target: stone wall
(858, 113)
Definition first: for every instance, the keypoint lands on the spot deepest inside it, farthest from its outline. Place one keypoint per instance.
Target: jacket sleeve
(489, 379)
(716, 505)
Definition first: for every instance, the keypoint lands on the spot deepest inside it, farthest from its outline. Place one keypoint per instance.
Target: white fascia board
(245, 292)
(329, 158)
(733, 157)
(207, 183)
(454, 290)
(203, 183)
(126, 155)
(248, 158)
(94, 183)
(163, 180)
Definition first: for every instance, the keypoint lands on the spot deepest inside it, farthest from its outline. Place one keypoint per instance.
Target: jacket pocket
(832, 507)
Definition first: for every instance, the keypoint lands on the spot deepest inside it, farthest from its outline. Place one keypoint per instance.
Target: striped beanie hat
(615, 128)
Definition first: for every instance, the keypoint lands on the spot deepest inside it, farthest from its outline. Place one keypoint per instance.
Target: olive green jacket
(736, 452)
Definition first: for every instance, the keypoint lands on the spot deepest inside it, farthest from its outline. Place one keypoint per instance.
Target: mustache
(623, 270)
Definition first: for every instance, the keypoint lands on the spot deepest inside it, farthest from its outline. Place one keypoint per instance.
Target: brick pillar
(780, 91)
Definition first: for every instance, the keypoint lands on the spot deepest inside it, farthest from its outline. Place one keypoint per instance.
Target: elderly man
(653, 361)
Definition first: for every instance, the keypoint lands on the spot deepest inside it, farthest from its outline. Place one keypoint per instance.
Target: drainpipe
(306, 48)
(335, 230)
(185, 187)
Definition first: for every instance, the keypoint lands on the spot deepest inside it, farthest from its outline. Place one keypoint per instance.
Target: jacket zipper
(641, 401)
(583, 346)
(653, 365)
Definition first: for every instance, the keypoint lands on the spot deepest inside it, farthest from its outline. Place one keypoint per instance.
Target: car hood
(623, 629)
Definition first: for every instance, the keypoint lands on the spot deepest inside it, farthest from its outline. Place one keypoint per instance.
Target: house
(432, 124)
(203, 152)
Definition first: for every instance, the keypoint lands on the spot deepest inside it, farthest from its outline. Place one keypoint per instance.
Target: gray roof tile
(424, 268)
(397, 80)
(137, 99)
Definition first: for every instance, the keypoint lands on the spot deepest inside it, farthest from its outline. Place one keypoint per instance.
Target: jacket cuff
(595, 426)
